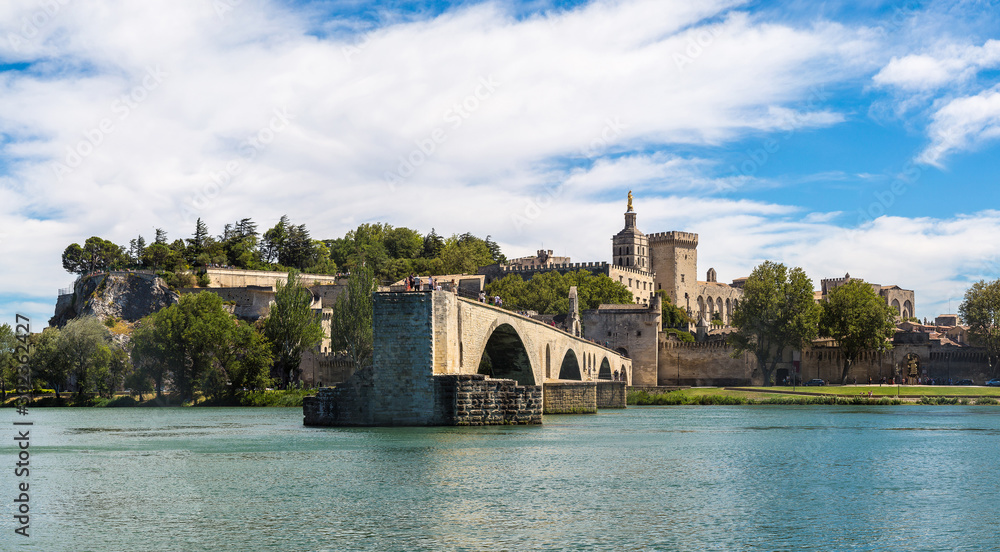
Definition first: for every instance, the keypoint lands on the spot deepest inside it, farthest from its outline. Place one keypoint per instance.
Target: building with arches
(903, 301)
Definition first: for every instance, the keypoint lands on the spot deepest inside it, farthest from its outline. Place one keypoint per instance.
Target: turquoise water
(652, 478)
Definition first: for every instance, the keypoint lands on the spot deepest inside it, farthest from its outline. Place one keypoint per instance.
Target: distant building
(901, 300)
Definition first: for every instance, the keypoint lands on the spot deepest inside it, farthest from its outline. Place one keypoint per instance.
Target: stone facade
(570, 398)
(541, 258)
(903, 301)
(233, 277)
(611, 394)
(474, 400)
(632, 331)
(674, 260)
(704, 364)
(941, 362)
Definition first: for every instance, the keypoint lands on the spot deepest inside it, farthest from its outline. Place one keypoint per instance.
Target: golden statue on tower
(630, 200)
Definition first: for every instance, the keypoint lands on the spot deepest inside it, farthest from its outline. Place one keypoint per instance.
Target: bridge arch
(505, 356)
(570, 369)
(605, 371)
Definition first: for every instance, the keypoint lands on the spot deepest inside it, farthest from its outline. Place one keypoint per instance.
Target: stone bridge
(439, 360)
(475, 338)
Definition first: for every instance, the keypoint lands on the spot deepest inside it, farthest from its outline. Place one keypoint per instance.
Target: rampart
(232, 277)
(703, 364)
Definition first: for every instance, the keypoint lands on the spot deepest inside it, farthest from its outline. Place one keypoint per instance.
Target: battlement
(682, 238)
(666, 343)
(632, 270)
(553, 266)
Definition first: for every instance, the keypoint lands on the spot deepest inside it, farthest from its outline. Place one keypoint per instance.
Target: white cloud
(950, 63)
(490, 112)
(963, 124)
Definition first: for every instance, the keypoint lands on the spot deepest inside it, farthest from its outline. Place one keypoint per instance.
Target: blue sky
(859, 137)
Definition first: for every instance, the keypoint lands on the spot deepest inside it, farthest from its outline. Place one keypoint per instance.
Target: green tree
(247, 359)
(198, 240)
(403, 243)
(777, 311)
(183, 342)
(859, 320)
(495, 253)
(97, 254)
(161, 257)
(433, 244)
(548, 292)
(671, 315)
(47, 365)
(292, 326)
(9, 363)
(351, 326)
(980, 310)
(84, 344)
(465, 254)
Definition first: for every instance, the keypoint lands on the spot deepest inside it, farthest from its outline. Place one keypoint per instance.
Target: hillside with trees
(390, 252)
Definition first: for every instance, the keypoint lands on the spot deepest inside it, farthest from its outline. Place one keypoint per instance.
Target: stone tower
(673, 257)
(630, 247)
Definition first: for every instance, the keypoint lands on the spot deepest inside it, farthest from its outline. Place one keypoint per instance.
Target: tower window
(682, 278)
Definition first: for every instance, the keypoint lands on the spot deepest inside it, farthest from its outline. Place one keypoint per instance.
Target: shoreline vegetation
(846, 395)
(287, 398)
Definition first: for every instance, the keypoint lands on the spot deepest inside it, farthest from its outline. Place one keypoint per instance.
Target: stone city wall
(703, 364)
(934, 361)
(232, 277)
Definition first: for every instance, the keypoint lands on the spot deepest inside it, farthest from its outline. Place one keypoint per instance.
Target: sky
(841, 137)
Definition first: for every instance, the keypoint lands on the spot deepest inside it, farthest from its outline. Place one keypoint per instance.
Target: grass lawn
(890, 390)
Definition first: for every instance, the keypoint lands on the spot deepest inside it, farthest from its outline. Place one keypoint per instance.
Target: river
(648, 478)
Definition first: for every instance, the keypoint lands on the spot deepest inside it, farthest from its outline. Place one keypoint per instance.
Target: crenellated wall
(703, 364)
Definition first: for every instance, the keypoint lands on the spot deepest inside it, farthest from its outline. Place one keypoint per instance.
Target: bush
(204, 280)
(682, 335)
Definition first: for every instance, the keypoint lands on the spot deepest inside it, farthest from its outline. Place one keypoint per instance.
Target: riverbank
(848, 395)
(277, 398)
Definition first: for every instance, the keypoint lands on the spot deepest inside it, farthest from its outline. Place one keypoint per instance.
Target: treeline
(548, 292)
(392, 253)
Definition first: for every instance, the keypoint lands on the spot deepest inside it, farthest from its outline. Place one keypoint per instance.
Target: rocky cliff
(126, 296)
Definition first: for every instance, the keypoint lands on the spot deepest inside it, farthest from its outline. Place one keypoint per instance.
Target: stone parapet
(687, 238)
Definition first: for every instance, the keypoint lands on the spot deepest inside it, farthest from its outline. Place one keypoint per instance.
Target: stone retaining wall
(465, 400)
(571, 397)
(611, 394)
(474, 400)
(348, 404)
